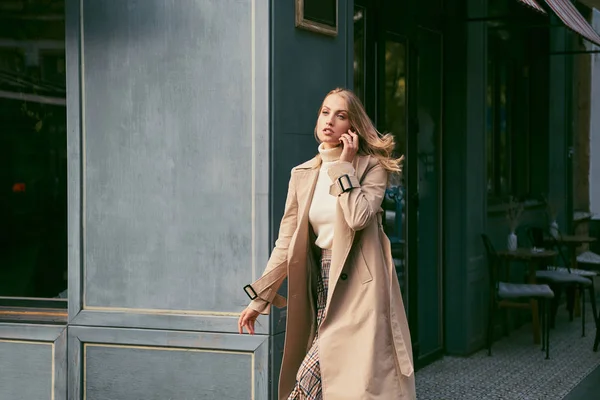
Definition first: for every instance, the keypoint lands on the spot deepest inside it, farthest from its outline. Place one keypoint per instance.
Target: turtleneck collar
(330, 155)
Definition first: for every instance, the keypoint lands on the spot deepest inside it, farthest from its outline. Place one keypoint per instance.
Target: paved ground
(517, 369)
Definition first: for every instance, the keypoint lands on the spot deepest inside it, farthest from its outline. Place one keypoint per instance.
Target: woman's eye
(325, 113)
(341, 116)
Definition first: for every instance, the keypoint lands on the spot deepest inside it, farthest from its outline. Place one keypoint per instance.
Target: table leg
(576, 306)
(535, 315)
(535, 321)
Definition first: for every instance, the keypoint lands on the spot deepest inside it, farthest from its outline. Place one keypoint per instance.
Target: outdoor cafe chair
(564, 277)
(506, 294)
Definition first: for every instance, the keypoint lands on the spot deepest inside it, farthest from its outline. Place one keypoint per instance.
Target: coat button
(344, 276)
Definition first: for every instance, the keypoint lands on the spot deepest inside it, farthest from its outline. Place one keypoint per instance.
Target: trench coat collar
(360, 164)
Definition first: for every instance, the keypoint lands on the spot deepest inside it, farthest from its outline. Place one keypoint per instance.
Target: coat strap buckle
(250, 292)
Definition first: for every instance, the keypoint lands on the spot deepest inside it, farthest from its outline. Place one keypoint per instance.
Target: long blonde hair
(372, 142)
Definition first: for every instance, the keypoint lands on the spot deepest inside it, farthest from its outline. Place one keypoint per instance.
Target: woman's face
(333, 121)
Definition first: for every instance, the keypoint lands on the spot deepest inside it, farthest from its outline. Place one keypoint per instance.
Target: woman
(347, 335)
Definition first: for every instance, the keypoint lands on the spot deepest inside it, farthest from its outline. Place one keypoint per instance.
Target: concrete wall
(33, 361)
(184, 120)
(168, 108)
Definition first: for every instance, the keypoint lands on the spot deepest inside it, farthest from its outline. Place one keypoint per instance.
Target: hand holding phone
(350, 141)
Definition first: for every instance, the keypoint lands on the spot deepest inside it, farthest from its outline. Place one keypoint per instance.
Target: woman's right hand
(247, 320)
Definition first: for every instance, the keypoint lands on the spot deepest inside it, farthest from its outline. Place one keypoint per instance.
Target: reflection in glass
(499, 140)
(490, 122)
(395, 93)
(394, 115)
(33, 204)
(359, 52)
(503, 148)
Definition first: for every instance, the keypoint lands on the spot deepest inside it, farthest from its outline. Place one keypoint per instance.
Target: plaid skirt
(308, 379)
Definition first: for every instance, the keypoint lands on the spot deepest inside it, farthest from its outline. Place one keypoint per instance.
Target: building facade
(183, 121)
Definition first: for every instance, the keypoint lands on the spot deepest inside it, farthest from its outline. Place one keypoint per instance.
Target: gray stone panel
(33, 361)
(173, 128)
(120, 372)
(26, 370)
(157, 364)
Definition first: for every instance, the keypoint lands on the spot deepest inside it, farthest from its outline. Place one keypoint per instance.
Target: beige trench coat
(364, 341)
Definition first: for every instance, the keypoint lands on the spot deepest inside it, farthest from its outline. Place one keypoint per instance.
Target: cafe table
(532, 257)
(572, 242)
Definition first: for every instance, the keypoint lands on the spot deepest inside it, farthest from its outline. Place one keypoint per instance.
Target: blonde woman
(347, 335)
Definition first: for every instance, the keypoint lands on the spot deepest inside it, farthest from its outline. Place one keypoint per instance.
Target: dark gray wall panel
(465, 201)
(117, 372)
(175, 136)
(305, 67)
(276, 357)
(560, 126)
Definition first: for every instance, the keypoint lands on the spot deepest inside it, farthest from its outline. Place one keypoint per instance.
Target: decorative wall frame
(319, 16)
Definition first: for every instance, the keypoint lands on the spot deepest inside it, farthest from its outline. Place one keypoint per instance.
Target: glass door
(394, 97)
(381, 80)
(398, 76)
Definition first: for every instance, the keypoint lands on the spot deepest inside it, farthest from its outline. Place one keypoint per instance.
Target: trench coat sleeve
(361, 204)
(276, 270)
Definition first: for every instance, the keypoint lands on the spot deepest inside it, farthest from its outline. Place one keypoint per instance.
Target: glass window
(508, 110)
(33, 152)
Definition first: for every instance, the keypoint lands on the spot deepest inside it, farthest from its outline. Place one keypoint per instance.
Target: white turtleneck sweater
(321, 214)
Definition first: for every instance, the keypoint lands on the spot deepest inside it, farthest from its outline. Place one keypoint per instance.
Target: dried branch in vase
(514, 210)
(552, 207)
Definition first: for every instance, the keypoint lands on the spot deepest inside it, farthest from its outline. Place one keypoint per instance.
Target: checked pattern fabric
(308, 379)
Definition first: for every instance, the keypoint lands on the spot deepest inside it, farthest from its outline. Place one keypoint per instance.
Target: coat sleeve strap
(263, 287)
(343, 184)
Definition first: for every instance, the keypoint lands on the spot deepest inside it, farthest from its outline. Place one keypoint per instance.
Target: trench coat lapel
(305, 182)
(343, 237)
(305, 188)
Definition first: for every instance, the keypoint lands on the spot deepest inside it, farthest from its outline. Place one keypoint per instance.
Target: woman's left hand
(350, 143)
